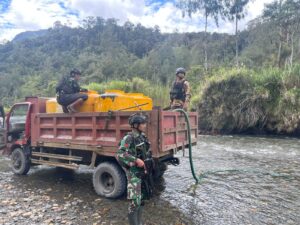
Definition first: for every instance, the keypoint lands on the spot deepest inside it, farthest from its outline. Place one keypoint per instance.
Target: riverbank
(234, 101)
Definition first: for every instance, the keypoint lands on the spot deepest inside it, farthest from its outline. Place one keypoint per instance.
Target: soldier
(180, 94)
(135, 164)
(2, 113)
(68, 92)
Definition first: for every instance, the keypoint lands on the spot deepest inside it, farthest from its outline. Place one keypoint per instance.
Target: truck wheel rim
(108, 182)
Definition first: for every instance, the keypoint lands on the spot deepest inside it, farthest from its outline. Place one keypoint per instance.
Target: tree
(291, 9)
(57, 25)
(285, 16)
(210, 8)
(273, 14)
(235, 11)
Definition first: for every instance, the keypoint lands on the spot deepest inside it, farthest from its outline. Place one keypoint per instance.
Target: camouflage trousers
(177, 104)
(134, 190)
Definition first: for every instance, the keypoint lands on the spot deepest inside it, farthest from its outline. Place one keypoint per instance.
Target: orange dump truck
(34, 137)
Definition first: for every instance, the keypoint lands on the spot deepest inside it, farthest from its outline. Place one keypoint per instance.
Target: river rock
(27, 214)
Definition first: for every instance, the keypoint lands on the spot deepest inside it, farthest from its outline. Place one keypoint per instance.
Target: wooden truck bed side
(101, 132)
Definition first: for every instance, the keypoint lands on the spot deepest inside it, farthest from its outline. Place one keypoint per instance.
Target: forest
(243, 82)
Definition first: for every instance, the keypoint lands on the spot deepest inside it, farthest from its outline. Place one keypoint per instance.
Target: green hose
(190, 143)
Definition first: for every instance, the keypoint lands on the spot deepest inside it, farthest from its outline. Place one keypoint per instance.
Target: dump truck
(34, 137)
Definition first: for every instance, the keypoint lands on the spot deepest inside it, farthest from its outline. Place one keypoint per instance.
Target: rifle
(147, 176)
(132, 107)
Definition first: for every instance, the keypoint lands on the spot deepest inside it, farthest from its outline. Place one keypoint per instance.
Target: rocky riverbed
(54, 196)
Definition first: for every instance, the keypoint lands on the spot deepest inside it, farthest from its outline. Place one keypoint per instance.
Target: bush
(244, 100)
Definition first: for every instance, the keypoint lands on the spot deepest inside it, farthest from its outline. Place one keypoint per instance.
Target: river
(244, 180)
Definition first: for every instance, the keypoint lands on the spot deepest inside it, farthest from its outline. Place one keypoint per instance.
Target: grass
(244, 100)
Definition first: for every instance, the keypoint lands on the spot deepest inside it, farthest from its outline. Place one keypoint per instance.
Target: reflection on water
(244, 180)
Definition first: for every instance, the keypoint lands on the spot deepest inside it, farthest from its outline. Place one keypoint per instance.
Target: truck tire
(160, 169)
(20, 163)
(109, 180)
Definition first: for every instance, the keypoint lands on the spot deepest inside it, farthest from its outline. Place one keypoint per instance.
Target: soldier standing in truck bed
(133, 155)
(180, 93)
(68, 92)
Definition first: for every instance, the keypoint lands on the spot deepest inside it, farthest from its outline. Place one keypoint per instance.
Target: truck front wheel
(109, 180)
(20, 163)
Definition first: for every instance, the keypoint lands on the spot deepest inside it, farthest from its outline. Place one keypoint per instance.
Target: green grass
(245, 100)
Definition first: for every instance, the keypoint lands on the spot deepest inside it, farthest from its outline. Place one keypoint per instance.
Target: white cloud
(25, 15)
(120, 9)
(169, 18)
(9, 34)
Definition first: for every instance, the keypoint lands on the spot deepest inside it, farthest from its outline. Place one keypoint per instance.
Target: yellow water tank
(53, 107)
(141, 101)
(89, 104)
(116, 100)
(111, 100)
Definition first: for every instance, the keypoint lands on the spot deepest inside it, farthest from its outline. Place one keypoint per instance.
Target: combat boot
(65, 109)
(139, 215)
(72, 107)
(133, 217)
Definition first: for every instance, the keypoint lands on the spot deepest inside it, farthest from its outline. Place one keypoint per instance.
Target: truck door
(18, 122)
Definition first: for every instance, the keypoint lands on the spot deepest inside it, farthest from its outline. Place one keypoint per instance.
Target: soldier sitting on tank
(131, 159)
(68, 92)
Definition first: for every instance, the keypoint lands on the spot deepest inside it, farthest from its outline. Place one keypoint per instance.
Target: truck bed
(101, 132)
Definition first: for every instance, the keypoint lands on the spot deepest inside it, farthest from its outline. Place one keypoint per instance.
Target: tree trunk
(280, 38)
(292, 51)
(279, 48)
(236, 41)
(205, 44)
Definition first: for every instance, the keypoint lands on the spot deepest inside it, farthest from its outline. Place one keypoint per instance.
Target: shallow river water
(244, 180)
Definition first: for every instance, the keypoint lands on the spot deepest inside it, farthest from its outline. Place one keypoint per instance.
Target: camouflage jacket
(133, 146)
(68, 85)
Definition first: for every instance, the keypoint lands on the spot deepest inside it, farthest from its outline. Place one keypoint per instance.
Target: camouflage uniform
(127, 156)
(68, 91)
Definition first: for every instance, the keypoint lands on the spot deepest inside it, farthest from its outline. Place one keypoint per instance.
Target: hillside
(135, 58)
(104, 51)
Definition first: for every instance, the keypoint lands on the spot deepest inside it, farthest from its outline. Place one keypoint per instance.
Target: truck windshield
(17, 118)
(19, 110)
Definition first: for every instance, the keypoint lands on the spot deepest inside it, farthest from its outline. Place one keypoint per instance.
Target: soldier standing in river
(68, 92)
(180, 93)
(133, 154)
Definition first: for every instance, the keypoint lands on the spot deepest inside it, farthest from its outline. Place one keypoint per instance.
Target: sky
(17, 16)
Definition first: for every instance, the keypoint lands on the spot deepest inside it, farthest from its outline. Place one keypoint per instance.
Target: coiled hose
(187, 120)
